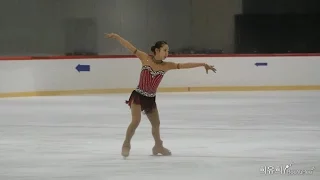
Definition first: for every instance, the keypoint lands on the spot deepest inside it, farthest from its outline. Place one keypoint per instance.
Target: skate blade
(160, 155)
(125, 156)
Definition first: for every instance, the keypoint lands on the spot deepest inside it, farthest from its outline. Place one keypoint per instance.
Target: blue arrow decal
(82, 68)
(261, 64)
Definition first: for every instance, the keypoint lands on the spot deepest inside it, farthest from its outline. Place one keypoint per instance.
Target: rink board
(48, 76)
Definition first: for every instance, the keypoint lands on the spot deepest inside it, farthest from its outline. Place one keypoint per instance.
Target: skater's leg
(135, 121)
(154, 119)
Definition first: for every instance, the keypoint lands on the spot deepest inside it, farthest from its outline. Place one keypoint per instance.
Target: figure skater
(143, 98)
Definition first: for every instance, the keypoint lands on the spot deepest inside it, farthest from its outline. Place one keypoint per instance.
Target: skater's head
(160, 50)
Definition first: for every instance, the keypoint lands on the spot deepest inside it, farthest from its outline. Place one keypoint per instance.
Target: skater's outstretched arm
(140, 54)
(172, 66)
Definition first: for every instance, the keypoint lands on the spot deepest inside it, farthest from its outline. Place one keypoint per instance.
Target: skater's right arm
(140, 54)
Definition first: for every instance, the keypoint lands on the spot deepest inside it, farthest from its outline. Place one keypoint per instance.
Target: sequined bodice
(149, 81)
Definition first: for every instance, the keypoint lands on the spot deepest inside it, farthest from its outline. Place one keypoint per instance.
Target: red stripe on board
(12, 58)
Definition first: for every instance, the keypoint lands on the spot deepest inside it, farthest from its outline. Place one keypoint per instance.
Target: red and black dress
(145, 92)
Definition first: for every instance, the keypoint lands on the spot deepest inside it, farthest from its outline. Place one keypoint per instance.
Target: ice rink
(212, 136)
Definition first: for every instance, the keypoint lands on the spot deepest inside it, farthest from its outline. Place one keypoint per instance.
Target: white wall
(123, 73)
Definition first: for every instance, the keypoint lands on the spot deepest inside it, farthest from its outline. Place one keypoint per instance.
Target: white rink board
(120, 73)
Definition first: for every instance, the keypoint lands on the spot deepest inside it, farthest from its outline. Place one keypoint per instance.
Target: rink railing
(71, 75)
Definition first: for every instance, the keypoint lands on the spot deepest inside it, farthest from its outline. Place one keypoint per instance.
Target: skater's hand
(209, 67)
(111, 35)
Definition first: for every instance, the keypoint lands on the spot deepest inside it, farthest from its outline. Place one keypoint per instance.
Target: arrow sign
(261, 64)
(81, 68)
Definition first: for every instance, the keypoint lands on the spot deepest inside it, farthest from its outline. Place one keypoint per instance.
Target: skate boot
(159, 149)
(126, 149)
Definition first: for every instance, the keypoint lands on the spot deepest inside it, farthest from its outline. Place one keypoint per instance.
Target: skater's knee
(135, 122)
(154, 119)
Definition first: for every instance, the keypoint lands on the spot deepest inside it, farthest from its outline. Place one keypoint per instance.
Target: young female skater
(143, 98)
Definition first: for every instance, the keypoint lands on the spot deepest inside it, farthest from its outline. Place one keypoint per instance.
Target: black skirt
(147, 103)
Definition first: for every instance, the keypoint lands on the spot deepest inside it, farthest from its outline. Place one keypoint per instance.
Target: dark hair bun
(158, 45)
(153, 48)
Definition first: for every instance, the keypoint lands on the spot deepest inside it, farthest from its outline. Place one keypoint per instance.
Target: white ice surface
(219, 135)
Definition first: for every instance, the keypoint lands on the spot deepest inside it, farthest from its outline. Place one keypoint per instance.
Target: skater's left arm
(173, 66)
